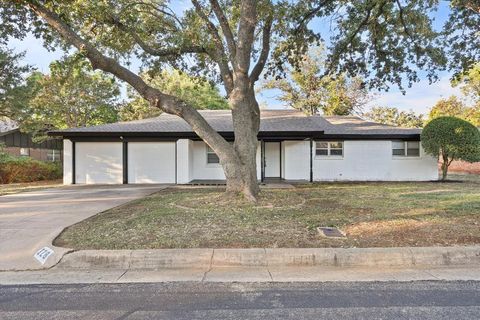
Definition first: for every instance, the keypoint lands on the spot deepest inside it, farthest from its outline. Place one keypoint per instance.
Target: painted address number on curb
(43, 254)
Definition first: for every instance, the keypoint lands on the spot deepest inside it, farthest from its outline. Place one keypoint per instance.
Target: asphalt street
(192, 300)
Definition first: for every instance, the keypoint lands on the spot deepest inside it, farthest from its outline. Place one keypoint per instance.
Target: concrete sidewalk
(32, 220)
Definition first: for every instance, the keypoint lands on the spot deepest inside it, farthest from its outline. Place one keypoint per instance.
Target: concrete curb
(288, 257)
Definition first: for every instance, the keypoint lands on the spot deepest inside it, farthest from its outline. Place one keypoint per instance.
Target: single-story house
(20, 144)
(291, 146)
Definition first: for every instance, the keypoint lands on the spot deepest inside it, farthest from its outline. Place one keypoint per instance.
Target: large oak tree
(233, 41)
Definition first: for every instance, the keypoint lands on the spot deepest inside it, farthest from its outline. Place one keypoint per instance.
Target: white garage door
(151, 162)
(98, 162)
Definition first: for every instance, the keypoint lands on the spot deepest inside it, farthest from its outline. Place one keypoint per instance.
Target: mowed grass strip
(371, 214)
(28, 186)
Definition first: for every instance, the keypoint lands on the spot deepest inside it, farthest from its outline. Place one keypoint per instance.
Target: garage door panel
(151, 162)
(98, 163)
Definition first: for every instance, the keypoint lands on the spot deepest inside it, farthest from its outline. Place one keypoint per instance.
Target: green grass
(372, 214)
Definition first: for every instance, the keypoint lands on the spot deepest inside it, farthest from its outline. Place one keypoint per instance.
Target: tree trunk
(445, 165)
(241, 172)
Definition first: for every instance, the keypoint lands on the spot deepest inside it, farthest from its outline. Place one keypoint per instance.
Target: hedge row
(15, 170)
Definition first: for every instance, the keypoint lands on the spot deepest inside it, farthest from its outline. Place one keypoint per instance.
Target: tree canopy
(14, 89)
(452, 139)
(196, 91)
(394, 117)
(308, 89)
(71, 95)
(454, 107)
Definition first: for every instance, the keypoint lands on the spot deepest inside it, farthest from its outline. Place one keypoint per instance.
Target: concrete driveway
(30, 221)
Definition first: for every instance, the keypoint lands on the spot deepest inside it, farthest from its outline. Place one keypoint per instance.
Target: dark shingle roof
(272, 121)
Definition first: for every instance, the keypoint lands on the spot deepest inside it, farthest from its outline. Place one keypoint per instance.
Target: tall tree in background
(71, 95)
(381, 41)
(394, 117)
(454, 107)
(15, 91)
(461, 35)
(309, 89)
(469, 83)
(195, 91)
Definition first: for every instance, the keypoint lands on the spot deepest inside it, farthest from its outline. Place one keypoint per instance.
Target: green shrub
(15, 169)
(451, 139)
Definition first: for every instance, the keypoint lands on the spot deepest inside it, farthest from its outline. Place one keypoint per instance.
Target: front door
(272, 160)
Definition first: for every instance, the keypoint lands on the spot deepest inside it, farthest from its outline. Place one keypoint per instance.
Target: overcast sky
(419, 98)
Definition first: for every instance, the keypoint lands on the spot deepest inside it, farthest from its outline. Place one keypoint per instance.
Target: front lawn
(371, 214)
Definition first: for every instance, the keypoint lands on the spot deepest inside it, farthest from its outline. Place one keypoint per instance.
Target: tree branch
(219, 53)
(191, 48)
(310, 15)
(167, 103)
(266, 33)
(227, 31)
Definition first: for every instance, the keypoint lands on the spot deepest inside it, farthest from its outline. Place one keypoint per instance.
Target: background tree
(196, 91)
(460, 35)
(454, 107)
(394, 117)
(469, 82)
(15, 91)
(383, 42)
(309, 89)
(451, 139)
(72, 95)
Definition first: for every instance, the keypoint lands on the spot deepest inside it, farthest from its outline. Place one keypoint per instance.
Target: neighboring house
(292, 146)
(20, 144)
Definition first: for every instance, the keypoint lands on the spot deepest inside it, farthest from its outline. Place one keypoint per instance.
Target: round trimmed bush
(451, 139)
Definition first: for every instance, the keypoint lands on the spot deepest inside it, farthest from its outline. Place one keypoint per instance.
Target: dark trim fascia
(266, 136)
(408, 137)
(119, 139)
(9, 132)
(158, 136)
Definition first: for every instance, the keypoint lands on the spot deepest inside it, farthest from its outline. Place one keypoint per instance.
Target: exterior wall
(184, 161)
(373, 161)
(201, 170)
(67, 161)
(296, 160)
(151, 162)
(98, 162)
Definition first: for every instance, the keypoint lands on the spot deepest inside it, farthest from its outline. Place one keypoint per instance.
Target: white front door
(272, 159)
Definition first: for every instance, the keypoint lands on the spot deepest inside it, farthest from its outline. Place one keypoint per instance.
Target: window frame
(405, 150)
(329, 148)
(56, 155)
(210, 151)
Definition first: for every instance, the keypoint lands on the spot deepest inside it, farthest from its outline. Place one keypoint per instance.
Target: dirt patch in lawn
(371, 215)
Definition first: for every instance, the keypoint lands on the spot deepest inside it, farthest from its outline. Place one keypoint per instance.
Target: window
(334, 149)
(53, 155)
(24, 152)
(406, 148)
(212, 156)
